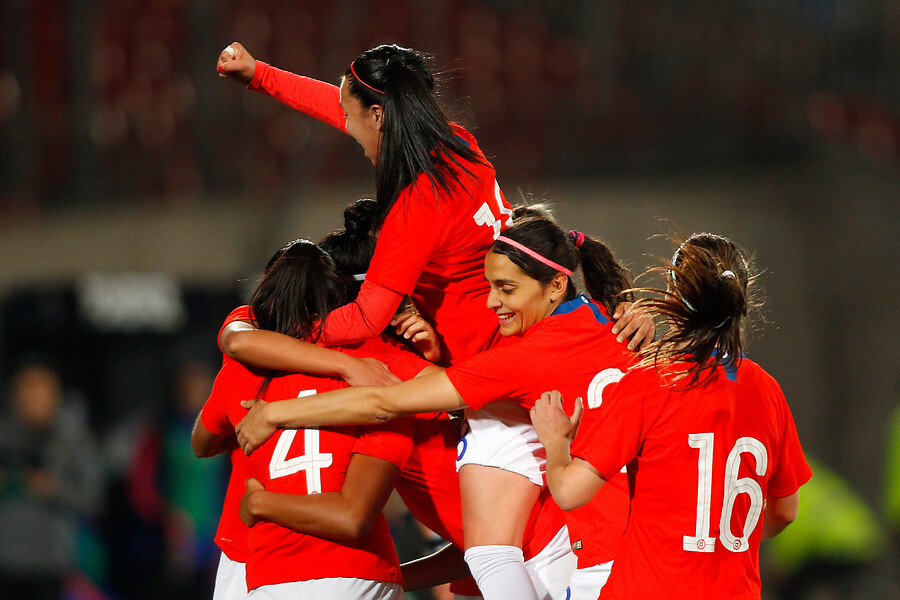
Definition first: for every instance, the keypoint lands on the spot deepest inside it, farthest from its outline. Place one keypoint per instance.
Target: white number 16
(734, 486)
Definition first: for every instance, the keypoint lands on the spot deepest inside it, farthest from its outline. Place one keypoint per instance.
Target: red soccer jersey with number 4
(701, 463)
(370, 557)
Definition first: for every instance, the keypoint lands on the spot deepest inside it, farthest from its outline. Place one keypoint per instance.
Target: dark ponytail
(605, 279)
(416, 136)
(706, 299)
(352, 248)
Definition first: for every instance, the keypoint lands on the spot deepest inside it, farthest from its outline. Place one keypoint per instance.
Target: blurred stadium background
(140, 195)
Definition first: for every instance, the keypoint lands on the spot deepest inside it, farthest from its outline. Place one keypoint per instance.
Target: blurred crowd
(99, 91)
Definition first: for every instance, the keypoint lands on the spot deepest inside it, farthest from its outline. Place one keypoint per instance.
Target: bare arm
(271, 350)
(779, 513)
(572, 482)
(206, 443)
(348, 406)
(349, 513)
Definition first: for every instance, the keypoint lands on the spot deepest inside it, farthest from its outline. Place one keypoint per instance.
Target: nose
(493, 302)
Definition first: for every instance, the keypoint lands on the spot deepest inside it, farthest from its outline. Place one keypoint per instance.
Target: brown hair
(704, 305)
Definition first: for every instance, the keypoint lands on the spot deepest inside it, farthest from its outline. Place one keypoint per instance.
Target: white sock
(500, 572)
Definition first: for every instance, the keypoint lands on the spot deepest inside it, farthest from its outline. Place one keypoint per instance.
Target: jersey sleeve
(241, 313)
(512, 371)
(791, 468)
(409, 237)
(362, 319)
(215, 412)
(391, 441)
(318, 99)
(609, 437)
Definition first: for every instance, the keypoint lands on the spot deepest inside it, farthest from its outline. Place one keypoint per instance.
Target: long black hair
(300, 287)
(605, 278)
(708, 296)
(416, 136)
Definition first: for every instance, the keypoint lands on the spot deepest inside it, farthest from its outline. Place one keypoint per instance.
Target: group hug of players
(608, 447)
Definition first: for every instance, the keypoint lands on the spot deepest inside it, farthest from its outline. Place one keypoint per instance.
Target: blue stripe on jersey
(464, 141)
(576, 303)
(730, 369)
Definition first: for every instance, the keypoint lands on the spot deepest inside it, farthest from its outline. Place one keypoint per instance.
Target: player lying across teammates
(496, 303)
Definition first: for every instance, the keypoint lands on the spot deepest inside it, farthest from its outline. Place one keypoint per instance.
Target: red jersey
(428, 483)
(573, 351)
(701, 463)
(236, 383)
(433, 242)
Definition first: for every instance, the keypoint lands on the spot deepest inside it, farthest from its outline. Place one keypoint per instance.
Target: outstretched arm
(572, 482)
(347, 406)
(349, 513)
(271, 350)
(318, 99)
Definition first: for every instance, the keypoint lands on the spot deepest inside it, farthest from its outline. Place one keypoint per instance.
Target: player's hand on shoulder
(633, 327)
(236, 63)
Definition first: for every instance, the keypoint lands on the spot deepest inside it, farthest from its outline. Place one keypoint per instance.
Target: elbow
(232, 344)
(383, 409)
(782, 516)
(355, 525)
(567, 502)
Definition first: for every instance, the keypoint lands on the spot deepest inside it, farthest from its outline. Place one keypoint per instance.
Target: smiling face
(518, 300)
(363, 124)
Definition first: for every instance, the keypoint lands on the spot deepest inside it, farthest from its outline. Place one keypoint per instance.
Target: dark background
(129, 170)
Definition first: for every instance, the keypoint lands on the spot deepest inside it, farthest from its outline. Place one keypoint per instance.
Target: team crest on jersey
(577, 545)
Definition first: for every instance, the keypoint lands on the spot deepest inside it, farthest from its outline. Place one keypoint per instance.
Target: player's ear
(558, 286)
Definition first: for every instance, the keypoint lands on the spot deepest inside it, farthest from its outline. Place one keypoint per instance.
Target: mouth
(505, 318)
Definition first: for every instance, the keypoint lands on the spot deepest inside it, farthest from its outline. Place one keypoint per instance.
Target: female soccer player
(428, 483)
(553, 335)
(713, 456)
(314, 496)
(439, 204)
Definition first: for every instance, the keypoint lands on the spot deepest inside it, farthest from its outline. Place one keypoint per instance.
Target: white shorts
(551, 569)
(231, 580)
(330, 587)
(501, 435)
(587, 583)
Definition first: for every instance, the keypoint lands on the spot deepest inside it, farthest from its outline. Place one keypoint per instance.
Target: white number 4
(310, 461)
(734, 486)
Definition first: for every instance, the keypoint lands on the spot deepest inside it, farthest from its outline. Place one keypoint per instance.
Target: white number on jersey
(734, 486)
(599, 383)
(484, 216)
(310, 461)
(596, 387)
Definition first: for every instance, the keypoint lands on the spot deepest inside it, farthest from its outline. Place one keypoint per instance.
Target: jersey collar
(576, 303)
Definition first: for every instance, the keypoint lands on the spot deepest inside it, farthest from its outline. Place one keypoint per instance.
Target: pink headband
(535, 255)
(353, 70)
